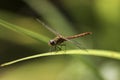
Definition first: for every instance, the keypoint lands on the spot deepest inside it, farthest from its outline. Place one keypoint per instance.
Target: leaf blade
(101, 53)
(24, 31)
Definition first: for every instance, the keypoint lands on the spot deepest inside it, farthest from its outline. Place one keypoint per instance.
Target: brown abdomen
(79, 35)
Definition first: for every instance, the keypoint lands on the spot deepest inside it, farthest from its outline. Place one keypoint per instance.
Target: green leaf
(24, 31)
(102, 53)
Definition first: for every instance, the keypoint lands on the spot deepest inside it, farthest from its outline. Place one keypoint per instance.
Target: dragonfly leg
(59, 48)
(51, 49)
(63, 45)
(56, 48)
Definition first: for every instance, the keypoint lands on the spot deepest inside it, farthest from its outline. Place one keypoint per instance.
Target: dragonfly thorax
(56, 41)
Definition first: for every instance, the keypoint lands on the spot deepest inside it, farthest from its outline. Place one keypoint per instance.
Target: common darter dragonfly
(58, 41)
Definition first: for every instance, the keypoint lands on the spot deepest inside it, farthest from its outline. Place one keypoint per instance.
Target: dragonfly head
(52, 42)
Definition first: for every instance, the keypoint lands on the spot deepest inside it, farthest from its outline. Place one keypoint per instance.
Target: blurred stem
(90, 65)
(52, 15)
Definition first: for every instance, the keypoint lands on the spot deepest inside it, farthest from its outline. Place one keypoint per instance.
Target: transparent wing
(80, 45)
(76, 43)
(50, 29)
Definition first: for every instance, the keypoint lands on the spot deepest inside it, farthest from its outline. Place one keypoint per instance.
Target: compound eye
(52, 42)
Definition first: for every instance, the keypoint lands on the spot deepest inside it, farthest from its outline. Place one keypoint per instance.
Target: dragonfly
(59, 39)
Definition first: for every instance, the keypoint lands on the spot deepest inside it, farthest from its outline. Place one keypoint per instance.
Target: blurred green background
(67, 17)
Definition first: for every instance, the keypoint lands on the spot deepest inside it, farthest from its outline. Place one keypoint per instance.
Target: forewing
(77, 44)
(50, 29)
